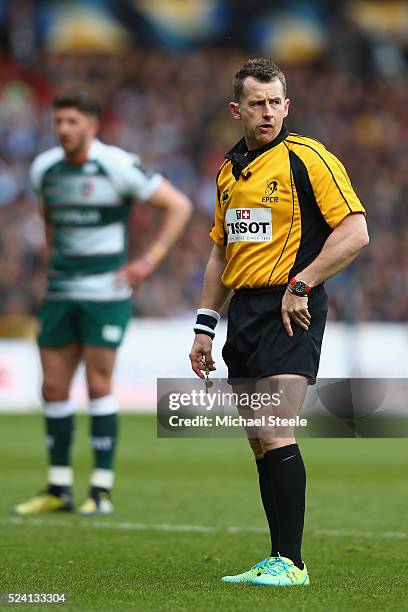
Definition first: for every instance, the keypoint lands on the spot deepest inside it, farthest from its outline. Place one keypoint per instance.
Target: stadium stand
(171, 109)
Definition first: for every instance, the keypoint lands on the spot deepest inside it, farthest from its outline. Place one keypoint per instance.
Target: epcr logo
(271, 187)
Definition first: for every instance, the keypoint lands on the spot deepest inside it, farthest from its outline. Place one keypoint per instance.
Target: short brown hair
(262, 69)
(80, 98)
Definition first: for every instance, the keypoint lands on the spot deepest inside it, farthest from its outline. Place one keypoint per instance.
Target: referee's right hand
(201, 355)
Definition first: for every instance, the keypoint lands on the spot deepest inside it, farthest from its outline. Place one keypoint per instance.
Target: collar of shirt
(240, 157)
(95, 148)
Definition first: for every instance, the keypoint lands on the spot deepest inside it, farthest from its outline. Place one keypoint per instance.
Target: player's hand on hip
(295, 308)
(201, 355)
(135, 272)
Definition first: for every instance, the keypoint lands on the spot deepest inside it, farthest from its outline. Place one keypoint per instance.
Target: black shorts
(257, 344)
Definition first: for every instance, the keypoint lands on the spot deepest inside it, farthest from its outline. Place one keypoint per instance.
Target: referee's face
(262, 109)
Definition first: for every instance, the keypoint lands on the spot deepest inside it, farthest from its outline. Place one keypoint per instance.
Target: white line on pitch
(129, 526)
(384, 535)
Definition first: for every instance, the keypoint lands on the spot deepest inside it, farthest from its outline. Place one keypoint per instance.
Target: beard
(74, 149)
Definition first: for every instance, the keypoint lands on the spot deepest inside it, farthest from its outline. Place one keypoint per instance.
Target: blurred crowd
(172, 110)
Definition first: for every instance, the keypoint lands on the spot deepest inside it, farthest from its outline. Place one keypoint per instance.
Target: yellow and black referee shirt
(276, 207)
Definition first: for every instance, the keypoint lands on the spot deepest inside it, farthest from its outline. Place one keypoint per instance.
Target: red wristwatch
(298, 287)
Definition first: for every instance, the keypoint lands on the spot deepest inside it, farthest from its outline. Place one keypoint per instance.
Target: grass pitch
(188, 512)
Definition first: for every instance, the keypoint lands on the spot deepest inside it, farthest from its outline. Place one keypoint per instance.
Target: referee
(286, 219)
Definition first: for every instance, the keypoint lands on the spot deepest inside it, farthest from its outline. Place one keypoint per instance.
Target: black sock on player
(287, 472)
(269, 504)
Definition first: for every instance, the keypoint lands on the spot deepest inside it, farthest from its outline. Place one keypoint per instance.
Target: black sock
(59, 490)
(288, 474)
(95, 491)
(269, 504)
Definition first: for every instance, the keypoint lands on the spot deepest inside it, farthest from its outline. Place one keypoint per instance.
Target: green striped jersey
(88, 207)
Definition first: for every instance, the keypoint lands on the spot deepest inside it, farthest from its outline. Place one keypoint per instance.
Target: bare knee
(99, 365)
(256, 446)
(99, 385)
(54, 391)
(268, 444)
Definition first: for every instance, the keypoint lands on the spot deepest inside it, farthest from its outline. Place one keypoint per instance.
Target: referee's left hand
(295, 308)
